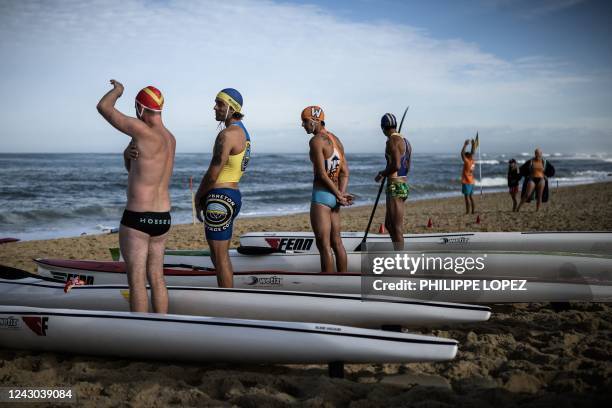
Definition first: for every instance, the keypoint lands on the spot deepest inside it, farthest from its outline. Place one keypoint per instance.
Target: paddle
(361, 246)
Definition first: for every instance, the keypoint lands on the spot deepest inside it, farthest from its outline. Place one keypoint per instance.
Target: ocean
(61, 195)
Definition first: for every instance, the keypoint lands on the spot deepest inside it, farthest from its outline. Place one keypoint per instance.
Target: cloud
(532, 9)
(58, 57)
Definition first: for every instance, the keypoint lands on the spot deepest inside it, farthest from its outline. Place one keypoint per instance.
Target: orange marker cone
(429, 223)
(478, 219)
(381, 229)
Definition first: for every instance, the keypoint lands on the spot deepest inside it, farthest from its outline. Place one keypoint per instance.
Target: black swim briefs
(152, 223)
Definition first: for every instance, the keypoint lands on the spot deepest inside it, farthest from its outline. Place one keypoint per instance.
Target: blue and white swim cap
(388, 121)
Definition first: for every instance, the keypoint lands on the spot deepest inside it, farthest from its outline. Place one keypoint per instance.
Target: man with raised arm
(146, 219)
(467, 175)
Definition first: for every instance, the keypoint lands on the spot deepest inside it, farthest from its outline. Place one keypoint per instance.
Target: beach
(527, 354)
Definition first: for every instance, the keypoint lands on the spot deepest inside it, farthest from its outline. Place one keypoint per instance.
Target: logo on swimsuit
(246, 157)
(151, 221)
(219, 212)
(334, 167)
(271, 281)
(458, 240)
(10, 322)
(38, 324)
(290, 244)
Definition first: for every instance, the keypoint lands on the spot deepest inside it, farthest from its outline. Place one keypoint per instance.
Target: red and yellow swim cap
(150, 98)
(313, 113)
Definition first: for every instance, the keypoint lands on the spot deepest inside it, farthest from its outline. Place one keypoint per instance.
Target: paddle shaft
(365, 236)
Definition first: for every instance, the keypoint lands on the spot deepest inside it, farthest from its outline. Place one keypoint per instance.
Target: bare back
(150, 174)
(326, 143)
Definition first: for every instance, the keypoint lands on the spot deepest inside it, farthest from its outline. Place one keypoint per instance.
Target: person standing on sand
(536, 172)
(398, 153)
(467, 176)
(218, 199)
(514, 177)
(146, 220)
(331, 176)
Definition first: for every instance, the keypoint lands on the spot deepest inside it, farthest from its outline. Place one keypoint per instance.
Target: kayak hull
(248, 304)
(547, 279)
(579, 242)
(208, 339)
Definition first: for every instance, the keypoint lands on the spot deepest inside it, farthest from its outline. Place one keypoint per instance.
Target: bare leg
(389, 217)
(155, 273)
(134, 248)
(528, 191)
(219, 251)
(320, 219)
(539, 192)
(472, 202)
(514, 202)
(467, 204)
(395, 212)
(336, 242)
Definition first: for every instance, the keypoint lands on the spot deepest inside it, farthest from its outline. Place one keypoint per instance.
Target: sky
(523, 73)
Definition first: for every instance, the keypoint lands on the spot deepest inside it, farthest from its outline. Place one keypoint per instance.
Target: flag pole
(479, 162)
(193, 211)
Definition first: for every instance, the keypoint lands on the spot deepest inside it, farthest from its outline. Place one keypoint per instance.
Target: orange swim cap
(314, 113)
(150, 98)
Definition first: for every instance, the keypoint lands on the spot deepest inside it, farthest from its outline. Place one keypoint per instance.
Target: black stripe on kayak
(468, 234)
(235, 324)
(265, 292)
(7, 272)
(565, 232)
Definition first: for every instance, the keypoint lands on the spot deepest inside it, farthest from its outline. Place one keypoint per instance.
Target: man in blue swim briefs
(331, 176)
(146, 219)
(467, 175)
(218, 199)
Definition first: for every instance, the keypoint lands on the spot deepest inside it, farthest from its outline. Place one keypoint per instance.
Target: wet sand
(527, 354)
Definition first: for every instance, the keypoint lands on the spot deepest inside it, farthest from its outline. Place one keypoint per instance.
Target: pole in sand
(193, 211)
(477, 145)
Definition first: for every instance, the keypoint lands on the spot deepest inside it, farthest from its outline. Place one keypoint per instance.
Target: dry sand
(527, 354)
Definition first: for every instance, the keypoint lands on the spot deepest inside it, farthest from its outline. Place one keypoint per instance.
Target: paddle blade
(403, 117)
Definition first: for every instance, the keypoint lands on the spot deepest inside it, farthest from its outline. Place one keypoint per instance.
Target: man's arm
(343, 177)
(221, 152)
(394, 164)
(130, 153)
(467, 141)
(106, 107)
(395, 154)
